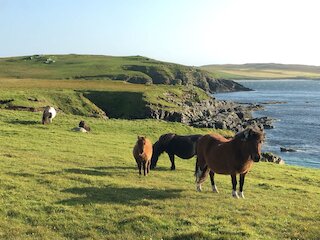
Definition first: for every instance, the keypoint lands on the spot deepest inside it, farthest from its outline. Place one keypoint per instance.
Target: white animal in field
(48, 114)
(79, 129)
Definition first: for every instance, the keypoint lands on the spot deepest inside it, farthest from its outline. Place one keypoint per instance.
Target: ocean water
(297, 122)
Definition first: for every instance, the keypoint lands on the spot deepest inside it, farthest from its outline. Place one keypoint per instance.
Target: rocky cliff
(209, 113)
(173, 74)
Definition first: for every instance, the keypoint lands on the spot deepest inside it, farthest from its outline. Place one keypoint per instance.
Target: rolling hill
(264, 71)
(61, 184)
(134, 69)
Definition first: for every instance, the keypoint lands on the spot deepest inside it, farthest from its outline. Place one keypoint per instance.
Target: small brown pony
(142, 152)
(216, 154)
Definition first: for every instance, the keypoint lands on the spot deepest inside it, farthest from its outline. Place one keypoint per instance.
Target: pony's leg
(139, 166)
(173, 166)
(148, 166)
(241, 185)
(144, 164)
(213, 185)
(234, 186)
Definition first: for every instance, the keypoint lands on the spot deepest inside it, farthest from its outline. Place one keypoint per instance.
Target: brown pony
(216, 154)
(142, 152)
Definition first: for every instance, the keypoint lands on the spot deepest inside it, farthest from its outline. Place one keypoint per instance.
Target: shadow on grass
(95, 171)
(21, 174)
(24, 122)
(87, 172)
(103, 171)
(111, 194)
(161, 169)
(193, 236)
(133, 168)
(115, 168)
(124, 105)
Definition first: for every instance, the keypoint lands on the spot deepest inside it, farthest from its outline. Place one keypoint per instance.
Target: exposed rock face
(211, 114)
(183, 75)
(284, 149)
(271, 157)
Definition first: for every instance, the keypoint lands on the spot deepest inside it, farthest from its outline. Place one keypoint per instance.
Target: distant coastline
(264, 71)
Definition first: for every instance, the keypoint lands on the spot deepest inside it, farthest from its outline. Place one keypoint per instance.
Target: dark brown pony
(142, 152)
(183, 146)
(216, 154)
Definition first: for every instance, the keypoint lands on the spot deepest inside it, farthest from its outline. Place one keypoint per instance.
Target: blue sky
(191, 32)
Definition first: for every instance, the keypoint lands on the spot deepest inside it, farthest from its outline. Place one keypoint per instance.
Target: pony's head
(141, 142)
(252, 139)
(82, 124)
(157, 149)
(46, 117)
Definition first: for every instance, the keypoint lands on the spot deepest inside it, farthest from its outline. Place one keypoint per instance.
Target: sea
(295, 107)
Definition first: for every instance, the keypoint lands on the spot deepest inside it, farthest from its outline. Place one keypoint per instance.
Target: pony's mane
(255, 133)
(141, 139)
(165, 139)
(162, 143)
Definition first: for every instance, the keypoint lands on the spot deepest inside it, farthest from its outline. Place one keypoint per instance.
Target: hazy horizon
(187, 32)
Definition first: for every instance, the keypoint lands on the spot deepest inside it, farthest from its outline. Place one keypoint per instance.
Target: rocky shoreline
(212, 113)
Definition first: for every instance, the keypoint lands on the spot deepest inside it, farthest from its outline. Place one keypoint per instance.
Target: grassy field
(71, 66)
(133, 69)
(59, 184)
(264, 71)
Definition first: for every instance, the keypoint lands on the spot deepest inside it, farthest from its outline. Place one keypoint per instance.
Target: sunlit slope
(264, 71)
(60, 184)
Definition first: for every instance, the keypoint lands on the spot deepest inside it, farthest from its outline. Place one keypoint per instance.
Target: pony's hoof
(215, 189)
(241, 195)
(199, 188)
(173, 168)
(235, 194)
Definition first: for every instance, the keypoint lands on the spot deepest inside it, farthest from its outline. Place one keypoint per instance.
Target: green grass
(69, 66)
(134, 69)
(59, 184)
(264, 71)
(81, 97)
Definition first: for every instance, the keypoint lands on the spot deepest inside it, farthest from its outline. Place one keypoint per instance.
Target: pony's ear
(141, 137)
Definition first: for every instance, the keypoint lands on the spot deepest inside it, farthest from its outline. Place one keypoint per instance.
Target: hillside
(96, 98)
(135, 69)
(264, 71)
(59, 184)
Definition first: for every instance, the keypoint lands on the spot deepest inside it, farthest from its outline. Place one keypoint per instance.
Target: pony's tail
(200, 174)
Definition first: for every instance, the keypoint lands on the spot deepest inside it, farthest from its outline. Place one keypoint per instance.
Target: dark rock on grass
(271, 157)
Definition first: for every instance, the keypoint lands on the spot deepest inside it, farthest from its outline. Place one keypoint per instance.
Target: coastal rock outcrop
(211, 113)
(173, 74)
(285, 149)
(271, 157)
